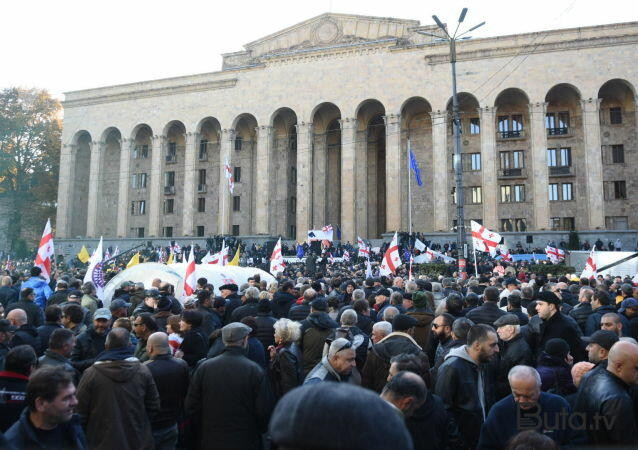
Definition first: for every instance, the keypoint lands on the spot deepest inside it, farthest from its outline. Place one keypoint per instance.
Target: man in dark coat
(283, 300)
(205, 307)
(6, 331)
(60, 294)
(61, 346)
(514, 351)
(556, 325)
(228, 396)
(53, 317)
(25, 334)
(8, 295)
(302, 311)
(249, 308)
(314, 331)
(461, 382)
(602, 304)
(265, 322)
(336, 366)
(233, 301)
(18, 365)
(35, 316)
(582, 310)
(489, 311)
(609, 395)
(90, 343)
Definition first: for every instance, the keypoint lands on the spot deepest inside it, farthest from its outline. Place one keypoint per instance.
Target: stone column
(539, 174)
(393, 172)
(348, 179)
(593, 162)
(95, 173)
(488, 166)
(157, 185)
(225, 198)
(304, 179)
(125, 175)
(65, 190)
(190, 179)
(441, 194)
(263, 172)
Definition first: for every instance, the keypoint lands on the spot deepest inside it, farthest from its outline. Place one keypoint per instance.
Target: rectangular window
(203, 150)
(238, 143)
(202, 177)
(557, 123)
(201, 204)
(235, 230)
(506, 225)
(471, 162)
(620, 189)
(168, 231)
(169, 205)
(554, 223)
(134, 181)
(565, 156)
(476, 161)
(236, 203)
(553, 192)
(618, 154)
(552, 160)
(140, 152)
(615, 116)
(510, 126)
(133, 208)
(567, 191)
(169, 179)
(137, 232)
(568, 223)
(506, 194)
(293, 176)
(237, 174)
(144, 155)
(454, 195)
(293, 205)
(171, 153)
(505, 160)
(519, 193)
(616, 222)
(200, 230)
(517, 159)
(142, 182)
(477, 194)
(475, 125)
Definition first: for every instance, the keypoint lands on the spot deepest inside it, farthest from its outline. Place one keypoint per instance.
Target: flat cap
(118, 303)
(235, 331)
(229, 286)
(507, 319)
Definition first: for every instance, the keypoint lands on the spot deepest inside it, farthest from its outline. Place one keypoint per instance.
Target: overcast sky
(78, 44)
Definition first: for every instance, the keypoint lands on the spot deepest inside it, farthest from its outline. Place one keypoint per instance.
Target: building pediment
(323, 31)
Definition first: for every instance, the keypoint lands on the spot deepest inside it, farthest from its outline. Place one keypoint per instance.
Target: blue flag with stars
(414, 165)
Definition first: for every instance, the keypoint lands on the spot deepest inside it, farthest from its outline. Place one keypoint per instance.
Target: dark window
(236, 203)
(169, 205)
(293, 205)
(140, 232)
(168, 231)
(235, 230)
(615, 116)
(237, 174)
(568, 223)
(201, 204)
(506, 225)
(203, 150)
(169, 179)
(557, 123)
(620, 189)
(202, 177)
(238, 143)
(618, 154)
(510, 126)
(200, 230)
(293, 231)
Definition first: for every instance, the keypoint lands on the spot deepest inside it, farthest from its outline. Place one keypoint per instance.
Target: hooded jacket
(460, 384)
(556, 376)
(116, 397)
(593, 321)
(314, 331)
(432, 426)
(423, 328)
(41, 288)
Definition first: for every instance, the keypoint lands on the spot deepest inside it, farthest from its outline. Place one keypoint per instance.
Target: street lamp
(458, 172)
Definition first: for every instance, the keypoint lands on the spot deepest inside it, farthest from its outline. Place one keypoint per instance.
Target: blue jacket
(42, 290)
(22, 434)
(505, 420)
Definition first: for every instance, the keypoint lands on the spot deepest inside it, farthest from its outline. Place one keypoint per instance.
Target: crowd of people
(329, 359)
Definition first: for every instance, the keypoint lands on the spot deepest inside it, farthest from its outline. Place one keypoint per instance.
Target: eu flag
(415, 166)
(300, 251)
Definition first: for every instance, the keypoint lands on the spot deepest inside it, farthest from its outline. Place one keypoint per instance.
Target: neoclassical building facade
(315, 122)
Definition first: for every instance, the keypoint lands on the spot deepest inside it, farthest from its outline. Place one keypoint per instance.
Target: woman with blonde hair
(286, 368)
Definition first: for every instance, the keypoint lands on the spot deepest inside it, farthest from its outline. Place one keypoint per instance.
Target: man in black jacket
(8, 295)
(18, 365)
(60, 294)
(302, 311)
(35, 317)
(205, 307)
(52, 317)
(514, 351)
(283, 300)
(249, 308)
(602, 304)
(555, 325)
(25, 334)
(171, 378)
(233, 301)
(489, 311)
(6, 332)
(228, 387)
(61, 345)
(90, 343)
(461, 383)
(583, 310)
(314, 331)
(606, 400)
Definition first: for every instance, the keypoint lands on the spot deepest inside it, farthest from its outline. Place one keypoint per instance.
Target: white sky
(78, 44)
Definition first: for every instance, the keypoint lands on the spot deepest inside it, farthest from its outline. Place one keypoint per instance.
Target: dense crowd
(329, 359)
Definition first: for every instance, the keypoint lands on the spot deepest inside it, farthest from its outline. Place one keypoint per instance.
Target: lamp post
(461, 243)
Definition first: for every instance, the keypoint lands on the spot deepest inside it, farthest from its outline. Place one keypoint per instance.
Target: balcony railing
(201, 188)
(510, 134)
(560, 170)
(169, 190)
(560, 131)
(512, 173)
(171, 158)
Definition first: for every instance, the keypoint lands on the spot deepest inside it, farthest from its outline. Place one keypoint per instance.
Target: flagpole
(409, 195)
(475, 261)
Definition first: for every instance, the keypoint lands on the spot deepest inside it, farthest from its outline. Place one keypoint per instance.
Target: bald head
(17, 317)
(5, 281)
(623, 361)
(157, 344)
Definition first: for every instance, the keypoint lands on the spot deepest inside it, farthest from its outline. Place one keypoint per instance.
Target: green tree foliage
(30, 129)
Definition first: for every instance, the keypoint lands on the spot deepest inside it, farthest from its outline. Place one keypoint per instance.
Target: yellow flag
(235, 260)
(170, 258)
(135, 260)
(84, 255)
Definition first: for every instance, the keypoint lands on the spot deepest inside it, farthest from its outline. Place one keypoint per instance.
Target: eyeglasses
(345, 347)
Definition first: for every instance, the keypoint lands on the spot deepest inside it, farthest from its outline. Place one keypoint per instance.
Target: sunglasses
(345, 347)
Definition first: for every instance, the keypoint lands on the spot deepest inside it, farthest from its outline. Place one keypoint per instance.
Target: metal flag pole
(475, 260)
(409, 195)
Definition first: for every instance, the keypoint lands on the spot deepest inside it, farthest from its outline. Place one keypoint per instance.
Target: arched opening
(283, 184)
(208, 173)
(173, 180)
(326, 163)
(109, 183)
(244, 163)
(80, 191)
(140, 185)
(371, 128)
(416, 132)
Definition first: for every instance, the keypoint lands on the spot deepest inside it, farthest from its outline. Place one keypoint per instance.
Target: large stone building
(315, 121)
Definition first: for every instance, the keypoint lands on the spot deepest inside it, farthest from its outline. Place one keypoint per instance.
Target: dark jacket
(161, 319)
(35, 314)
(88, 345)
(194, 346)
(505, 420)
(375, 371)
(608, 396)
(299, 312)
(23, 435)
(432, 426)
(523, 318)
(13, 393)
(248, 309)
(593, 321)
(580, 313)
(209, 322)
(171, 379)
(487, 314)
(441, 353)
(281, 304)
(4, 349)
(8, 295)
(58, 297)
(285, 371)
(51, 358)
(423, 328)
(229, 398)
(460, 383)
(514, 353)
(45, 331)
(233, 301)
(115, 400)
(27, 335)
(558, 326)
(314, 331)
(365, 323)
(256, 352)
(556, 376)
(265, 330)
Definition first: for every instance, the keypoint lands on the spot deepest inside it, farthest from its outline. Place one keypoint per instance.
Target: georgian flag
(590, 266)
(391, 260)
(430, 255)
(229, 176)
(420, 246)
(346, 255)
(220, 258)
(324, 234)
(555, 255)
(45, 252)
(277, 259)
(483, 239)
(364, 250)
(94, 273)
(190, 280)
